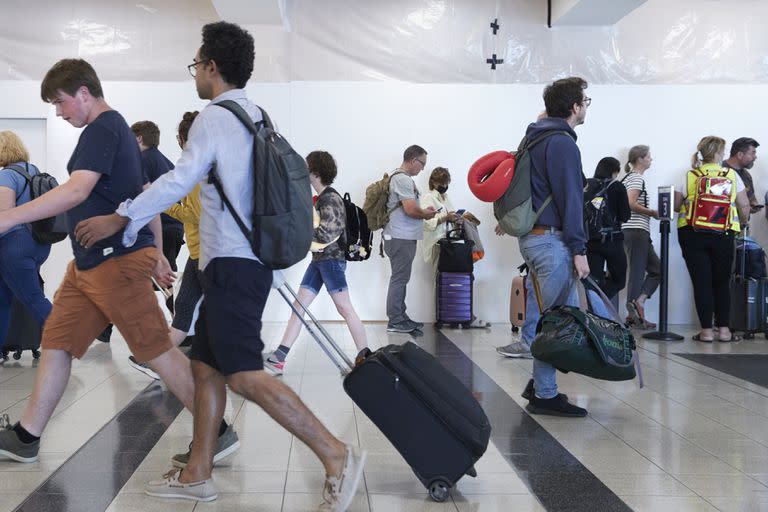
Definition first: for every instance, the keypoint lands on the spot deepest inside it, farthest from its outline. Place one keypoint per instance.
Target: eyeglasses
(423, 164)
(587, 101)
(192, 68)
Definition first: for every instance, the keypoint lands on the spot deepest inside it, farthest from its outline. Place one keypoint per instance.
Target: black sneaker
(557, 406)
(528, 391)
(105, 334)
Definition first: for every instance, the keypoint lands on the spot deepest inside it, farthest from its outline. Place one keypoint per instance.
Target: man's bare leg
(50, 382)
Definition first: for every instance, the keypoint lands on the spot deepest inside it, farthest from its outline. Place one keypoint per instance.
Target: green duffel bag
(573, 340)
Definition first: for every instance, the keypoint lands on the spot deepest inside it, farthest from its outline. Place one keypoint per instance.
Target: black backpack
(358, 238)
(599, 220)
(49, 230)
(282, 198)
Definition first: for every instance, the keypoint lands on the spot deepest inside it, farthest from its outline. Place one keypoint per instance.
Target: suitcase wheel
(17, 355)
(749, 335)
(466, 325)
(439, 490)
(439, 325)
(36, 354)
(515, 329)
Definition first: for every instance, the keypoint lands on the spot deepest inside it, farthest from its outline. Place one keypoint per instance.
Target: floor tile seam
(77, 451)
(615, 434)
(711, 372)
(535, 495)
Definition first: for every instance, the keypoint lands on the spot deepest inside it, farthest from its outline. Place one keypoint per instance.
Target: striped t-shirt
(635, 181)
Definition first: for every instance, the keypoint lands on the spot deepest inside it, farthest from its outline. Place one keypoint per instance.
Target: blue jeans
(20, 261)
(325, 272)
(551, 261)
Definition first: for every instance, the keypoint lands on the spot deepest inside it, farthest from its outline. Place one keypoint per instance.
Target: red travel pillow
(491, 174)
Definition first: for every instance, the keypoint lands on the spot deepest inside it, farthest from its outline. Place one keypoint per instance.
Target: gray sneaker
(170, 487)
(417, 325)
(12, 447)
(339, 492)
(404, 326)
(227, 445)
(516, 349)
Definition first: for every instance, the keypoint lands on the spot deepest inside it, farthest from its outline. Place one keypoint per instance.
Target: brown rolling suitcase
(517, 303)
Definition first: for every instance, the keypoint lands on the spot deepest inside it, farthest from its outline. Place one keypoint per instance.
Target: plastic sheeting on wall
(423, 41)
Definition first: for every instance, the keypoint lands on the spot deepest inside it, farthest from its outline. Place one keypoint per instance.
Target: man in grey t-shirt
(404, 228)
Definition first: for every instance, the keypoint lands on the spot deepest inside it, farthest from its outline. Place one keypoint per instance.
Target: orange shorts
(118, 291)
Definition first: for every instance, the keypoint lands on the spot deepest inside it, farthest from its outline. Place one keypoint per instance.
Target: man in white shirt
(228, 345)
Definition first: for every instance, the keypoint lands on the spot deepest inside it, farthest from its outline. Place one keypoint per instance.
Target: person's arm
(188, 211)
(156, 226)
(7, 198)
(196, 160)
(412, 209)
(58, 200)
(679, 199)
(563, 168)
(633, 196)
(742, 206)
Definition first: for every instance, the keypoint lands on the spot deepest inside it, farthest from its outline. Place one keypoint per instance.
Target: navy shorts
(228, 328)
(330, 273)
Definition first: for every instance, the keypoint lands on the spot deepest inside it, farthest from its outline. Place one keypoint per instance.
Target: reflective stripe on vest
(711, 170)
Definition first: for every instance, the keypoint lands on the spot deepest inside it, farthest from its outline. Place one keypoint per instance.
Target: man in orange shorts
(106, 282)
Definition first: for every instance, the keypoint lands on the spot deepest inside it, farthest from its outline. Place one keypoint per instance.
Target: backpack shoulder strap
(528, 143)
(24, 172)
(243, 116)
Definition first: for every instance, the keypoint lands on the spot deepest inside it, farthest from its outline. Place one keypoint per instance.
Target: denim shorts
(330, 273)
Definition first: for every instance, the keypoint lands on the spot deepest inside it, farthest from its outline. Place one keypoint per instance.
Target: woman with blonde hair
(706, 232)
(644, 264)
(20, 255)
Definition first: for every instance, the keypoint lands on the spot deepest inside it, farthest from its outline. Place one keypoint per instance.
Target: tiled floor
(693, 439)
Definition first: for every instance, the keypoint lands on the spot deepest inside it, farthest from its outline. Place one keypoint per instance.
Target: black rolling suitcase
(430, 417)
(24, 333)
(747, 298)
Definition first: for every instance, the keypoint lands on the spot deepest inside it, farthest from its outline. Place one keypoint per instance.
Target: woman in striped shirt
(644, 263)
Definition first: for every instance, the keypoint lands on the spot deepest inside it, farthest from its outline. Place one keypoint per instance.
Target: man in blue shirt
(107, 281)
(555, 250)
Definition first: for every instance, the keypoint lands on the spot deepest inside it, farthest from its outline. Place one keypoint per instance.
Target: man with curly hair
(228, 345)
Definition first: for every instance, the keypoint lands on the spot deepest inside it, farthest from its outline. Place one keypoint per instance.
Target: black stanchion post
(666, 200)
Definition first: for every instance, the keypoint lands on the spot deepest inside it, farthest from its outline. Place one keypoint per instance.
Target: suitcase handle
(327, 343)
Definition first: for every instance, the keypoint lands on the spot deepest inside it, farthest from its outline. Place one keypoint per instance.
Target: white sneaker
(273, 365)
(170, 487)
(143, 368)
(338, 493)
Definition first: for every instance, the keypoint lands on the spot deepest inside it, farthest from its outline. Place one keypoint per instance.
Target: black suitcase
(24, 332)
(430, 417)
(746, 298)
(454, 299)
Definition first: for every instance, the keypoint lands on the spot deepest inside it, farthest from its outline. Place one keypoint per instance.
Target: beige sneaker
(338, 493)
(170, 487)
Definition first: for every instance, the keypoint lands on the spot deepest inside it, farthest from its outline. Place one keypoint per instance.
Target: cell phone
(439, 210)
(460, 212)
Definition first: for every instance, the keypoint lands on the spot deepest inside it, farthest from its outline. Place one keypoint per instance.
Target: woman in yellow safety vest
(712, 204)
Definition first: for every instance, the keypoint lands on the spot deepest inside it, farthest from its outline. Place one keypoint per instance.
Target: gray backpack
(514, 209)
(282, 201)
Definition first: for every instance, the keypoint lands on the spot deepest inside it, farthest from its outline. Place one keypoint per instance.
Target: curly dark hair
(186, 124)
(231, 48)
(322, 165)
(561, 95)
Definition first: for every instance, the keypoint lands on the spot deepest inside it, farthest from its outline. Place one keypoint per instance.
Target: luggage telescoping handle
(329, 346)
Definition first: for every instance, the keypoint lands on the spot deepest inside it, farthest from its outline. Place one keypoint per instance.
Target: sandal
(734, 337)
(697, 337)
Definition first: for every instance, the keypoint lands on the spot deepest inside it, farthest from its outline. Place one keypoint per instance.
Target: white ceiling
(656, 41)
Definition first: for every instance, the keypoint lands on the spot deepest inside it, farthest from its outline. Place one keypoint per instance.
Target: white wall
(366, 126)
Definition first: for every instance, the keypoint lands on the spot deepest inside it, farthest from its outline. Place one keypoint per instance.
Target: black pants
(173, 239)
(611, 254)
(709, 257)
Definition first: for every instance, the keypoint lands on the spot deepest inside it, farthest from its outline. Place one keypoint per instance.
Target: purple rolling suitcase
(454, 298)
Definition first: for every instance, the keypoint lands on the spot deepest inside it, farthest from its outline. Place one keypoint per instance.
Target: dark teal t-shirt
(107, 146)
